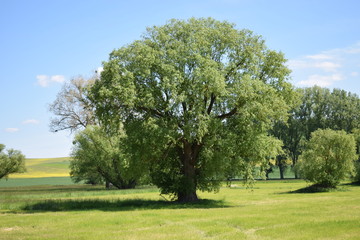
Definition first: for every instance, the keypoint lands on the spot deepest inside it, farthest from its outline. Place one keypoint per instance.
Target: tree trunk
(293, 167)
(189, 155)
(188, 197)
(281, 170)
(280, 163)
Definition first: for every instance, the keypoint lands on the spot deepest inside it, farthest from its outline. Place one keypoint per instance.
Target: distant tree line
(319, 108)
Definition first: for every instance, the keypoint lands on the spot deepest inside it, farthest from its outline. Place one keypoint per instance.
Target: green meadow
(50, 206)
(271, 210)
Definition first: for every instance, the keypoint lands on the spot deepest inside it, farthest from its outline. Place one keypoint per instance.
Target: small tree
(98, 153)
(11, 162)
(328, 158)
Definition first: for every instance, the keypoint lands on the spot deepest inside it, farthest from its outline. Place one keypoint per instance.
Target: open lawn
(269, 211)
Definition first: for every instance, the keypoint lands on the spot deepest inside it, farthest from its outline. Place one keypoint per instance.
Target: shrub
(328, 158)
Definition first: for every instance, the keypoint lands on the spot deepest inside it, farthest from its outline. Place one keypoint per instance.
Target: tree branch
(184, 106)
(212, 101)
(153, 111)
(234, 68)
(227, 115)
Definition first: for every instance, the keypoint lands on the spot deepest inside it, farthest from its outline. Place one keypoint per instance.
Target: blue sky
(44, 43)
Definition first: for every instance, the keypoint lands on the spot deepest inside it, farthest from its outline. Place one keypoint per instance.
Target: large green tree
(196, 99)
(13, 161)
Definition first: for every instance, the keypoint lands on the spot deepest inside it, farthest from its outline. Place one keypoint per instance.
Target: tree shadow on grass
(356, 184)
(316, 189)
(118, 205)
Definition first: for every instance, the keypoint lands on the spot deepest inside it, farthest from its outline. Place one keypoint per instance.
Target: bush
(328, 158)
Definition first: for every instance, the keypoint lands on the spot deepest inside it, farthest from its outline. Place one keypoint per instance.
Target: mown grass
(271, 210)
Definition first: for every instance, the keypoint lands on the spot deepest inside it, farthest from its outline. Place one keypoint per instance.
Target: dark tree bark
(189, 157)
(282, 166)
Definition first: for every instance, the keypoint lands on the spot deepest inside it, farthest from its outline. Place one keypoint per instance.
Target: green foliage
(356, 134)
(328, 158)
(319, 108)
(195, 98)
(99, 156)
(11, 162)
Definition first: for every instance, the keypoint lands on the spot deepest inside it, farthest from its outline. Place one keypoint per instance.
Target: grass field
(269, 211)
(22, 182)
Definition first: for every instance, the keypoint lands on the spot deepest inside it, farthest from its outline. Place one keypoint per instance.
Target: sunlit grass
(269, 211)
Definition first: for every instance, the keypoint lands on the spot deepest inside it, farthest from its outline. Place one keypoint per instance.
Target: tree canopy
(328, 158)
(97, 154)
(195, 98)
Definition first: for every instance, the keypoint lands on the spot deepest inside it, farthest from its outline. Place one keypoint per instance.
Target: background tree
(194, 96)
(72, 107)
(318, 109)
(11, 162)
(329, 158)
(344, 111)
(95, 151)
(73, 112)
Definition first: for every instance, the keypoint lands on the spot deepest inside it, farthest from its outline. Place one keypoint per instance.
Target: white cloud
(297, 64)
(99, 70)
(320, 56)
(12, 130)
(314, 63)
(42, 80)
(31, 121)
(45, 80)
(327, 66)
(321, 80)
(57, 78)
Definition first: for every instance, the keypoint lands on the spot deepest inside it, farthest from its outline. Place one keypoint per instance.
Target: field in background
(22, 182)
(45, 167)
(41, 171)
(271, 210)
